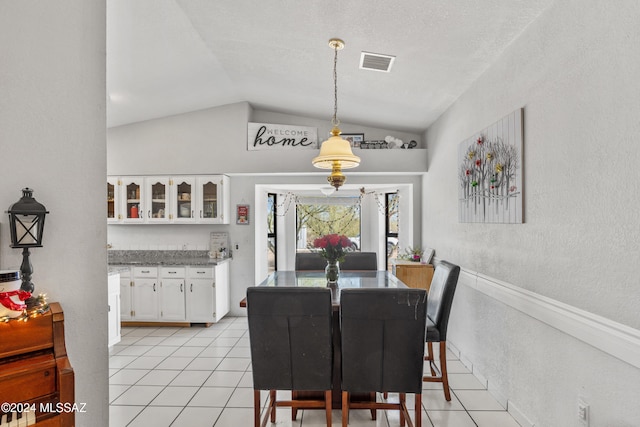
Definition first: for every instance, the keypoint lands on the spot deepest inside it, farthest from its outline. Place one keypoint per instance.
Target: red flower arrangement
(332, 246)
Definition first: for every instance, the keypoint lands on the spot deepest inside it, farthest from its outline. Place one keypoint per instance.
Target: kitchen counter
(188, 258)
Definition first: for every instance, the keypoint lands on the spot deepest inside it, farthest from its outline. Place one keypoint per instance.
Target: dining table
(346, 280)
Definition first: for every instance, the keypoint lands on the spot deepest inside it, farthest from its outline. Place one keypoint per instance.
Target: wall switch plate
(583, 413)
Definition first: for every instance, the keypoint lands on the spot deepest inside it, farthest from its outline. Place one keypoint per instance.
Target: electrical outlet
(583, 413)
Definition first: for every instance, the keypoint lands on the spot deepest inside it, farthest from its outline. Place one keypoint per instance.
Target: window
(272, 252)
(392, 227)
(316, 217)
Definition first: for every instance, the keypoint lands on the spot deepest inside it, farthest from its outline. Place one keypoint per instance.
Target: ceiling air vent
(376, 61)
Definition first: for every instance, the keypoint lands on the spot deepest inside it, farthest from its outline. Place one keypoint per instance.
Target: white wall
(575, 71)
(52, 139)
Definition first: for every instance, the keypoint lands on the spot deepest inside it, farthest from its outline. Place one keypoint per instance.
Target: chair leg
(374, 414)
(327, 405)
(443, 370)
(403, 398)
(256, 408)
(272, 402)
(345, 408)
(430, 358)
(418, 408)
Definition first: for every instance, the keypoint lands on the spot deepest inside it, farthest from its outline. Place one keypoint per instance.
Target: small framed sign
(267, 136)
(242, 214)
(354, 138)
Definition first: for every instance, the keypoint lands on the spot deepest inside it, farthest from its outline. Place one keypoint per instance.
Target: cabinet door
(183, 192)
(157, 201)
(114, 202)
(172, 301)
(201, 297)
(145, 299)
(211, 206)
(222, 290)
(114, 318)
(133, 203)
(125, 298)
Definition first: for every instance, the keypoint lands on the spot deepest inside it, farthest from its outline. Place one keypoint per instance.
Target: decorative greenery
(412, 253)
(332, 246)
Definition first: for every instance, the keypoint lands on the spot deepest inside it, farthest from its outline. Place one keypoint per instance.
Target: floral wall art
(490, 173)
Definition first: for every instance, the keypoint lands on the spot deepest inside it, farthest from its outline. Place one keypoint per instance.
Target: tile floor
(201, 376)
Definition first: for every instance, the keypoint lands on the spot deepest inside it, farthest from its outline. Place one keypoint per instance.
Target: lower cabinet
(145, 299)
(175, 294)
(172, 300)
(208, 293)
(114, 309)
(125, 294)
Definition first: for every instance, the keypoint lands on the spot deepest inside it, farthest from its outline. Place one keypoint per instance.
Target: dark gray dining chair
(306, 261)
(440, 299)
(382, 348)
(359, 261)
(353, 261)
(290, 334)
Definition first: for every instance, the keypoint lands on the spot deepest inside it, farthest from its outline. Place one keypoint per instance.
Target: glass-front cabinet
(158, 199)
(132, 192)
(183, 199)
(210, 200)
(189, 199)
(113, 200)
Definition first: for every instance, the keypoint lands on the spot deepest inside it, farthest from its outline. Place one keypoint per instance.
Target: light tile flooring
(201, 376)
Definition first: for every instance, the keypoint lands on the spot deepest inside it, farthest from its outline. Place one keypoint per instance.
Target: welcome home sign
(265, 136)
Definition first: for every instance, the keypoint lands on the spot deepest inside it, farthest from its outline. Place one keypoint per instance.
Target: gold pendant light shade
(335, 152)
(336, 149)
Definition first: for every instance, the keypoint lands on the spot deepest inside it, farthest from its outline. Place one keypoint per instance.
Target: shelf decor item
(413, 253)
(26, 223)
(335, 152)
(333, 248)
(355, 139)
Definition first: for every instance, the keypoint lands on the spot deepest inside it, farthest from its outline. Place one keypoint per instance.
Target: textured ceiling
(167, 57)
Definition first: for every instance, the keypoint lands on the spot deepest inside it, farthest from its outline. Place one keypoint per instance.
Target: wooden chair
(290, 335)
(382, 348)
(439, 301)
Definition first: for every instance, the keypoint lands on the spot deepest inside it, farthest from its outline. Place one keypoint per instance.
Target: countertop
(188, 258)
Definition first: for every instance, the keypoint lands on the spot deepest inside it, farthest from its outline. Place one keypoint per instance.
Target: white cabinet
(188, 199)
(212, 200)
(201, 294)
(183, 197)
(114, 200)
(125, 294)
(132, 196)
(208, 293)
(172, 295)
(113, 316)
(145, 292)
(157, 199)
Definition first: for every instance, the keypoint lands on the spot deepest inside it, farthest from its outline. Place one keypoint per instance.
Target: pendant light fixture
(335, 152)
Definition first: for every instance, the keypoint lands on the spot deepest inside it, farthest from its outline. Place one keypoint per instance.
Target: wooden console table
(413, 274)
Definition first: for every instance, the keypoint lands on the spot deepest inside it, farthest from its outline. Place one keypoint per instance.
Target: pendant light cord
(335, 120)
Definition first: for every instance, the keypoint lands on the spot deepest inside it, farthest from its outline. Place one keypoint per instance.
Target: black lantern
(26, 221)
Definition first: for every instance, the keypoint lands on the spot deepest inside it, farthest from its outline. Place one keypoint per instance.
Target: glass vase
(332, 271)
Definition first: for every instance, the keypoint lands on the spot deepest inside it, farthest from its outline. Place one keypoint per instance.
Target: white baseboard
(518, 415)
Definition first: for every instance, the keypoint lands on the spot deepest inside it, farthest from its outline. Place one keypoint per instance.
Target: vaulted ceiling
(167, 57)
